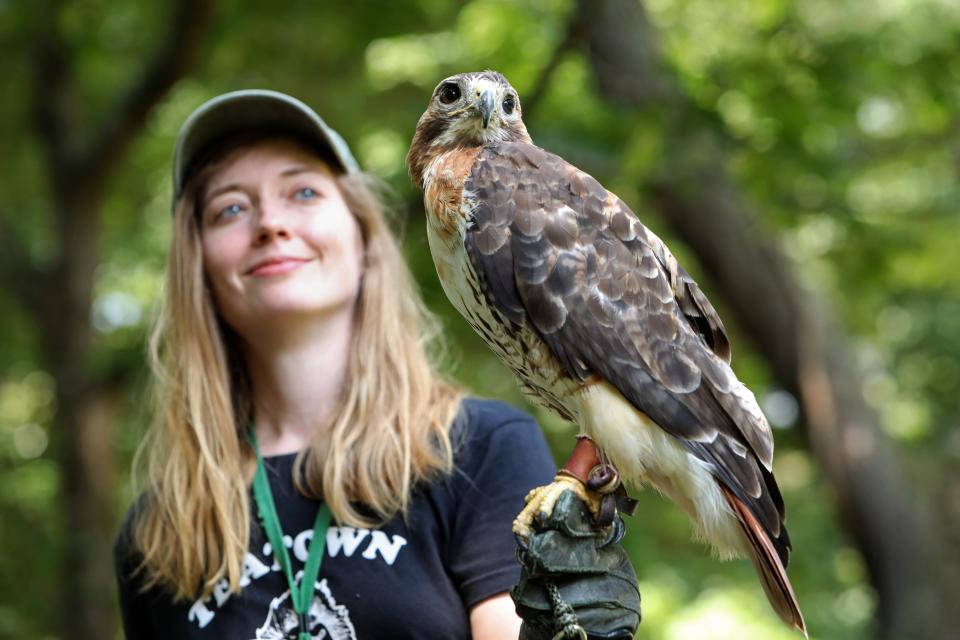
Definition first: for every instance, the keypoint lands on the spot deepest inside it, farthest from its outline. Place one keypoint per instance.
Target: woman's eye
(508, 105)
(306, 193)
(229, 211)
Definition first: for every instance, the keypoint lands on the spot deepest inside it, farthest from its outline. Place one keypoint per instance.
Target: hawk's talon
(542, 500)
(522, 545)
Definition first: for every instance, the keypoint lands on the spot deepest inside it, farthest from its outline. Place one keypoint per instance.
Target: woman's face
(278, 239)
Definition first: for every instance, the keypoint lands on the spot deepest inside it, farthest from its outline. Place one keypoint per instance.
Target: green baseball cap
(252, 110)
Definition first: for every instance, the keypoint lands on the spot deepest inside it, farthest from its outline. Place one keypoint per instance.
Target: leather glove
(576, 580)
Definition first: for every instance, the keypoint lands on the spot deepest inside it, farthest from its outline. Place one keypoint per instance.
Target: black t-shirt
(413, 579)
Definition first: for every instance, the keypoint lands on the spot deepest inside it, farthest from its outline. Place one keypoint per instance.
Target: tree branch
(181, 44)
(571, 36)
(52, 93)
(621, 46)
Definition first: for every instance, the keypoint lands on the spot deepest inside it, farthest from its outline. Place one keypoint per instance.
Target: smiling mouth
(276, 267)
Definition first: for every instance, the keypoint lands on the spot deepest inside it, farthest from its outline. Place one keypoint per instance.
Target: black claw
(625, 504)
(614, 533)
(521, 542)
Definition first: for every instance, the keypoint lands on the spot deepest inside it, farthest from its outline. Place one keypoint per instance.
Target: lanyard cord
(301, 597)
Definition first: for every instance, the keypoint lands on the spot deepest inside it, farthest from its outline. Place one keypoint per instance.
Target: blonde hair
(389, 432)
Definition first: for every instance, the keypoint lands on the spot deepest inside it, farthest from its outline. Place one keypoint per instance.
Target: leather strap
(584, 458)
(586, 465)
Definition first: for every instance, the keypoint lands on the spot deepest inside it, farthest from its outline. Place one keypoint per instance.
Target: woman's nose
(271, 221)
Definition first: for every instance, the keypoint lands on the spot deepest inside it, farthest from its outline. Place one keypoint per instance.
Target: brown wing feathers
(624, 316)
(553, 248)
(701, 315)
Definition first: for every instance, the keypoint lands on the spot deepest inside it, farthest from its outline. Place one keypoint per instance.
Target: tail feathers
(771, 570)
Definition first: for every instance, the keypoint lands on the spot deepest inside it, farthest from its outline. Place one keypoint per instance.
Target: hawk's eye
(449, 93)
(508, 105)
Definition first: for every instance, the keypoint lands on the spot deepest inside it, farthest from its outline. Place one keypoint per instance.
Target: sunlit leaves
(419, 59)
(842, 128)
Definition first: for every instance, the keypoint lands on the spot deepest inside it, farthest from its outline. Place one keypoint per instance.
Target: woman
(291, 353)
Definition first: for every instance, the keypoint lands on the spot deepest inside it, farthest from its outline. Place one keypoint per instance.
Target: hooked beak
(485, 104)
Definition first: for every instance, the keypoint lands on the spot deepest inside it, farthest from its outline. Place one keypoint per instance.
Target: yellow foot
(541, 501)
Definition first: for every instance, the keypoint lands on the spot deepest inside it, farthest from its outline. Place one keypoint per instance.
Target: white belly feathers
(645, 454)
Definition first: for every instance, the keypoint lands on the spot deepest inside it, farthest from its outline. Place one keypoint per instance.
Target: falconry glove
(576, 580)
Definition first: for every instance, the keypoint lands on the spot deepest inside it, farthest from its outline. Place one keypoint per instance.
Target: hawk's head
(466, 110)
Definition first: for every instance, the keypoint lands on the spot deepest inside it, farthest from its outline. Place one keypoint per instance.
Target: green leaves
(839, 122)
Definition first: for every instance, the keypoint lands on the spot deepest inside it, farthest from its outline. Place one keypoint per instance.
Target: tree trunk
(83, 424)
(792, 328)
(81, 430)
(80, 159)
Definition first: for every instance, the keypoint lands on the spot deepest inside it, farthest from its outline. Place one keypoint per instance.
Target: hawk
(597, 320)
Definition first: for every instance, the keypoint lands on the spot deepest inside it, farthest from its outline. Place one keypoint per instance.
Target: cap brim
(252, 110)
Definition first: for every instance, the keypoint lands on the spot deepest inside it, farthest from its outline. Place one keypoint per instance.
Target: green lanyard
(301, 597)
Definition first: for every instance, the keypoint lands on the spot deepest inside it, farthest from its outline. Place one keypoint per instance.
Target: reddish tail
(772, 572)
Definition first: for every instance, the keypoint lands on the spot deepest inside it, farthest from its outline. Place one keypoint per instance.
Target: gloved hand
(576, 581)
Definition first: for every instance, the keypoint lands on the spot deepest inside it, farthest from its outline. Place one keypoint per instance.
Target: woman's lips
(275, 267)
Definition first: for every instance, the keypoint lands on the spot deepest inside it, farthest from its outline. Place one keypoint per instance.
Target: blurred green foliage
(847, 126)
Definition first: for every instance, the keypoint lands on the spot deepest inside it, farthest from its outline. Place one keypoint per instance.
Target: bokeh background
(801, 158)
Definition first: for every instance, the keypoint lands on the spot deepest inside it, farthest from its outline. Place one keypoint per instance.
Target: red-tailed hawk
(597, 320)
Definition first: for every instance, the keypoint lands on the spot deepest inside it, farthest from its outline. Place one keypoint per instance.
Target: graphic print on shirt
(367, 544)
(326, 618)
